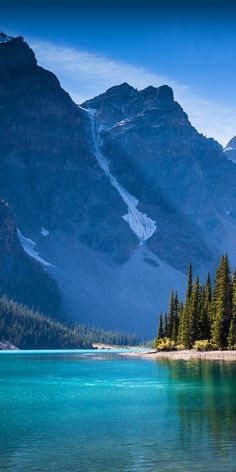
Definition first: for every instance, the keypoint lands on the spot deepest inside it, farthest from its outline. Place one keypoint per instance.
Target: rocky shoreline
(184, 355)
(7, 346)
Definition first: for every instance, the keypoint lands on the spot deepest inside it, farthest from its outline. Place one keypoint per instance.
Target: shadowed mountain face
(21, 277)
(118, 194)
(182, 178)
(230, 150)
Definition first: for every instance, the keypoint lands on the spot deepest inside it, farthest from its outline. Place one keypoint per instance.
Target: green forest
(207, 317)
(29, 329)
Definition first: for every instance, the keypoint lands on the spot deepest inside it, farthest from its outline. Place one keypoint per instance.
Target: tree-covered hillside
(27, 329)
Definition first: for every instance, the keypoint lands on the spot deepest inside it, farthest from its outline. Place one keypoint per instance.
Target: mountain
(230, 150)
(21, 277)
(158, 156)
(113, 197)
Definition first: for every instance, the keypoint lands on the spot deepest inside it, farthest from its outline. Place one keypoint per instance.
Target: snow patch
(139, 223)
(44, 231)
(82, 108)
(29, 247)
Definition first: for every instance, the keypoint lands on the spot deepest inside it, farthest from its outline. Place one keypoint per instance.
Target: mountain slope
(21, 277)
(45, 148)
(153, 151)
(230, 150)
(113, 197)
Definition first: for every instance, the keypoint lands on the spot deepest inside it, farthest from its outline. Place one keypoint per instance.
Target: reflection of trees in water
(206, 402)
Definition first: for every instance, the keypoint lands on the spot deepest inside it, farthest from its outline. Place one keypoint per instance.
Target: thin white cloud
(85, 75)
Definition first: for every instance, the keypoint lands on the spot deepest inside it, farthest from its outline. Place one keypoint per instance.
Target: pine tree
(194, 313)
(232, 329)
(222, 304)
(184, 326)
(189, 283)
(208, 288)
(175, 328)
(207, 313)
(166, 328)
(161, 333)
(205, 309)
(171, 315)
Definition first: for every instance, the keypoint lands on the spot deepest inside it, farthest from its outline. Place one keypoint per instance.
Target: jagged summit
(121, 88)
(4, 38)
(15, 53)
(124, 101)
(163, 92)
(125, 93)
(231, 143)
(166, 92)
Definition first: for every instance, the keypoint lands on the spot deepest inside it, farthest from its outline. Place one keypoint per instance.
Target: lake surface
(100, 412)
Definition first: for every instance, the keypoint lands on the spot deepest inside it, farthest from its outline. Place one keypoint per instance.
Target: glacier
(139, 222)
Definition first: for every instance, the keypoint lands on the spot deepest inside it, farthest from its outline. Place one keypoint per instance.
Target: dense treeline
(28, 284)
(117, 338)
(208, 313)
(27, 329)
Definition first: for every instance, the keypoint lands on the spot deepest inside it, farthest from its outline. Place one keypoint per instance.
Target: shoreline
(113, 346)
(184, 355)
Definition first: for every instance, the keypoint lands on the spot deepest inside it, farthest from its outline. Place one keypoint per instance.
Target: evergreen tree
(189, 283)
(208, 313)
(29, 329)
(184, 326)
(232, 329)
(205, 309)
(184, 334)
(166, 328)
(222, 304)
(208, 288)
(171, 315)
(161, 333)
(175, 328)
(194, 313)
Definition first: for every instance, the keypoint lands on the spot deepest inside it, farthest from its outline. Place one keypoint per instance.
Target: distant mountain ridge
(230, 150)
(118, 194)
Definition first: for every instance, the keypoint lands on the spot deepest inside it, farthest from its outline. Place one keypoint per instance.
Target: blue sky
(92, 48)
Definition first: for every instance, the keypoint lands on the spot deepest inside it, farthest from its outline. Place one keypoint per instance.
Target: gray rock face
(48, 170)
(230, 150)
(21, 278)
(128, 168)
(181, 179)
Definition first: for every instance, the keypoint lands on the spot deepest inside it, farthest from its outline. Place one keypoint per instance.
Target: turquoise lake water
(98, 412)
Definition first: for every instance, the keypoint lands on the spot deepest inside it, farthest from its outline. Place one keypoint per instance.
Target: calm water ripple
(100, 412)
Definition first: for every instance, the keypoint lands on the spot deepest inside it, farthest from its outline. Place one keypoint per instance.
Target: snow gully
(139, 222)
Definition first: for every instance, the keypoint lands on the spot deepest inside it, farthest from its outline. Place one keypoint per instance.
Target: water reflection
(205, 395)
(102, 412)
